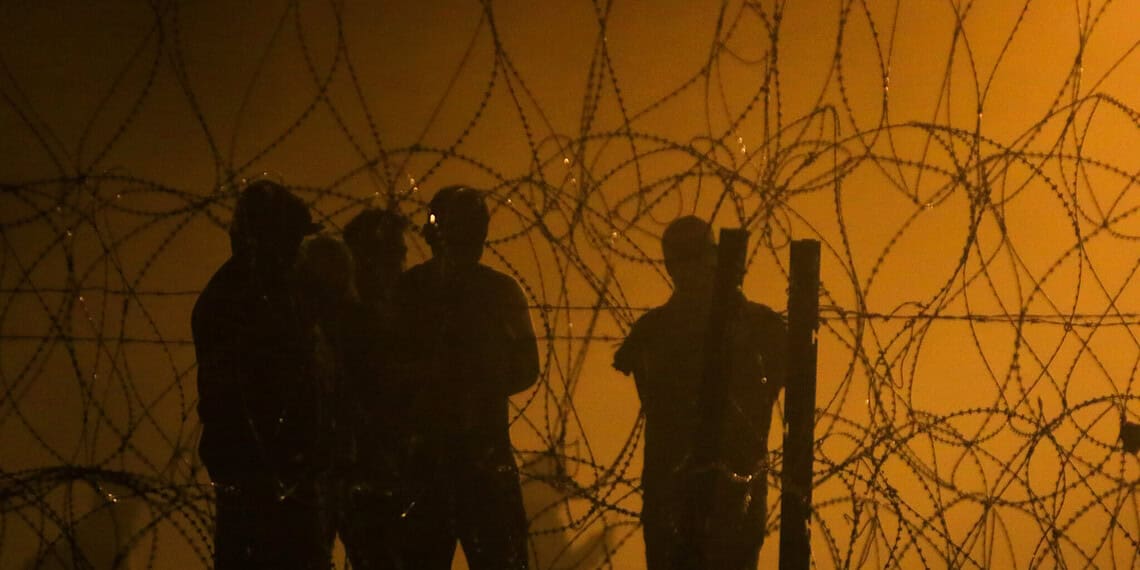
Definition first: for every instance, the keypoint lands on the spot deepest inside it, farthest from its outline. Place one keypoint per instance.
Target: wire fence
(969, 170)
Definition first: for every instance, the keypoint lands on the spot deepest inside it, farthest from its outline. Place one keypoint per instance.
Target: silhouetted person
(353, 340)
(376, 239)
(374, 492)
(664, 353)
(258, 402)
(467, 346)
(342, 338)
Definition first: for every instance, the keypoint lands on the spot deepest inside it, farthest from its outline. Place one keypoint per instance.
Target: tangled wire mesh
(969, 169)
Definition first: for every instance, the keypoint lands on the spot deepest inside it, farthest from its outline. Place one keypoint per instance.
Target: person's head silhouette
(457, 225)
(690, 254)
(376, 238)
(268, 226)
(324, 275)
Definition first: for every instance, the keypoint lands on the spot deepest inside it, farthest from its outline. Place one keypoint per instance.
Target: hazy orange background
(955, 159)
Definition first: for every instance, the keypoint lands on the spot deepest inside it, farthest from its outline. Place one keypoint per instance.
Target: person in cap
(257, 399)
(467, 345)
(662, 352)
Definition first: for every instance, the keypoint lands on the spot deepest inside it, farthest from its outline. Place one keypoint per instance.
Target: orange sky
(954, 159)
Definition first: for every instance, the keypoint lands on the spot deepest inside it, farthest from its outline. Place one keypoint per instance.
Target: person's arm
(522, 367)
(221, 386)
(630, 357)
(626, 356)
(218, 349)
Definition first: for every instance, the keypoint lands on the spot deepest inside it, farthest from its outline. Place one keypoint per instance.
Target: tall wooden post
(714, 396)
(799, 407)
(726, 299)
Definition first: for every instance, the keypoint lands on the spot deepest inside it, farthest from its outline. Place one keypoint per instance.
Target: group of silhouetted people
(340, 395)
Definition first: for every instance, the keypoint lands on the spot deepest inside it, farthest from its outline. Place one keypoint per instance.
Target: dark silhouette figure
(345, 339)
(259, 403)
(357, 336)
(663, 352)
(376, 238)
(467, 344)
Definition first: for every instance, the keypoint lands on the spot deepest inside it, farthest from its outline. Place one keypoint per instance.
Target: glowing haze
(970, 169)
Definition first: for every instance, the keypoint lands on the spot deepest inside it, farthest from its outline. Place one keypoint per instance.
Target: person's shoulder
(412, 279)
(652, 319)
(763, 323)
(416, 272)
(496, 284)
(223, 277)
(221, 301)
(494, 276)
(649, 325)
(224, 285)
(761, 311)
(642, 335)
(761, 315)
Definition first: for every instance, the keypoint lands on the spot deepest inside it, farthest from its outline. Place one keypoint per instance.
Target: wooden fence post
(799, 407)
(714, 395)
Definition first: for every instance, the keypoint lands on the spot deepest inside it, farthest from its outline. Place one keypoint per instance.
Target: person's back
(663, 352)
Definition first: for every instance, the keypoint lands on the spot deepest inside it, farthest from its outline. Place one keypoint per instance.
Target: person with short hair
(663, 352)
(467, 346)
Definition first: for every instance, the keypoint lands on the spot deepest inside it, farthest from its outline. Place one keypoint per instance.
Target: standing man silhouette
(370, 488)
(258, 402)
(663, 353)
(467, 346)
